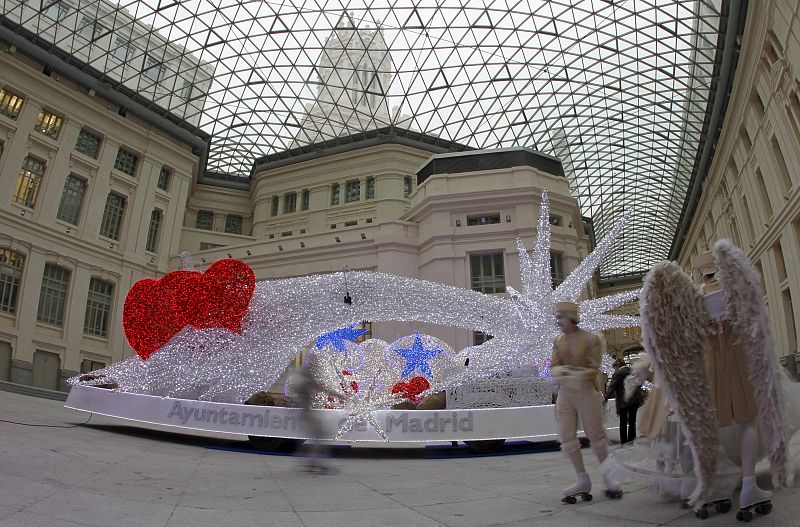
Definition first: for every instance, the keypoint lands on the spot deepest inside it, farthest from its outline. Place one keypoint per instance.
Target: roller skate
(753, 500)
(580, 489)
(613, 488)
(721, 505)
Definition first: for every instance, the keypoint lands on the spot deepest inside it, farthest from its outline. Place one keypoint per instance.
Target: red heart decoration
(411, 389)
(155, 310)
(148, 318)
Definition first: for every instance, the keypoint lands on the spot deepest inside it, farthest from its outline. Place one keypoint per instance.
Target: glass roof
(617, 89)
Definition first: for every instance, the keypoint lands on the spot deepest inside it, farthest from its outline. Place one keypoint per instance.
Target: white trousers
(581, 399)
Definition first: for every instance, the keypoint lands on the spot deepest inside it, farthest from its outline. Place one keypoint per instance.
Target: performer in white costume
(575, 367)
(712, 355)
(726, 366)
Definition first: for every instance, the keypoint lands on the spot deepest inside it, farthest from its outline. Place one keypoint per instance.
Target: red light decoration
(411, 389)
(155, 310)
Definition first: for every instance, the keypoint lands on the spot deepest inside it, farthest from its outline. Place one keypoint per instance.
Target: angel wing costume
(673, 329)
(748, 319)
(712, 357)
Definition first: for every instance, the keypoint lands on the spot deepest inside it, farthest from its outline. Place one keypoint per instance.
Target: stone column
(75, 316)
(16, 150)
(21, 369)
(56, 176)
(97, 193)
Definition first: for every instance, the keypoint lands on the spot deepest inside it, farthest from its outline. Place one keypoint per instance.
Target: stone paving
(106, 473)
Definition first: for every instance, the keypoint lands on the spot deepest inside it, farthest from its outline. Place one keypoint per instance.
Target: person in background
(626, 408)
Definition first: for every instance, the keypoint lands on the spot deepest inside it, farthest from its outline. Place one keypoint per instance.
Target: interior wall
(751, 194)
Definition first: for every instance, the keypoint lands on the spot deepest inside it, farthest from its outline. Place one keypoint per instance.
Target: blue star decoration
(337, 337)
(417, 358)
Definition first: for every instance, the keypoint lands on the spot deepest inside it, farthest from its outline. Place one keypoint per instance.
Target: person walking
(306, 386)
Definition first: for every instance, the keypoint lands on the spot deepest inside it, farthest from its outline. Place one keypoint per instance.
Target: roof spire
(346, 21)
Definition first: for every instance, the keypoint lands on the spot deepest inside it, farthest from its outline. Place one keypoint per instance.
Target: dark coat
(616, 390)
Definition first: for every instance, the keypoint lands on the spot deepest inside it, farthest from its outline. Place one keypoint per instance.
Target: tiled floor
(107, 474)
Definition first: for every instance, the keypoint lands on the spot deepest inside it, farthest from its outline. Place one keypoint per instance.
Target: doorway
(5, 361)
(45, 369)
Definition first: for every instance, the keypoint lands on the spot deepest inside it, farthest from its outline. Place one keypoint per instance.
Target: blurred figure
(305, 386)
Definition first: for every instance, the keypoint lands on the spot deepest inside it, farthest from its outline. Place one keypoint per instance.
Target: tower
(354, 71)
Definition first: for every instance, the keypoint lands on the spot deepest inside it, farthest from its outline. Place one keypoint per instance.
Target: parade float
(209, 342)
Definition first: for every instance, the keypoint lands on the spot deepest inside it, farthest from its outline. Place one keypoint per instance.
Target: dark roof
(493, 159)
(379, 136)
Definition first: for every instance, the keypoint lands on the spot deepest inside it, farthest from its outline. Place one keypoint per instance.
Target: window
(88, 143)
(91, 29)
(88, 365)
(365, 324)
(335, 194)
(352, 191)
(154, 69)
(152, 232)
(69, 210)
(306, 199)
(557, 268)
(788, 314)
(205, 220)
(274, 210)
(48, 124)
(370, 188)
(289, 202)
(10, 104)
(111, 225)
(123, 50)
(204, 246)
(407, 187)
(780, 262)
(556, 221)
(56, 10)
(233, 224)
(186, 90)
(487, 274)
(29, 181)
(762, 191)
(780, 162)
(479, 337)
(164, 178)
(748, 218)
(486, 219)
(98, 308)
(10, 277)
(126, 162)
(2, 148)
(53, 295)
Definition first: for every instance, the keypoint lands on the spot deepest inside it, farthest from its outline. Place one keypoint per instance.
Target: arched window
(11, 264)
(53, 295)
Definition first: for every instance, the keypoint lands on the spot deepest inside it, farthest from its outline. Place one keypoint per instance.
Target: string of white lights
(284, 316)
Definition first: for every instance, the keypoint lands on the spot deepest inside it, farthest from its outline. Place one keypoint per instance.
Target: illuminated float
(206, 342)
